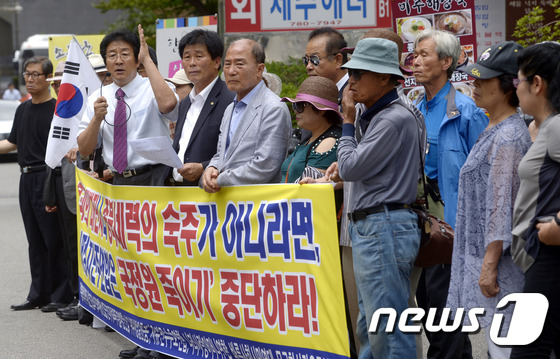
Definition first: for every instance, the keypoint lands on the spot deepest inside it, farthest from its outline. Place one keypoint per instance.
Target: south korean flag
(78, 81)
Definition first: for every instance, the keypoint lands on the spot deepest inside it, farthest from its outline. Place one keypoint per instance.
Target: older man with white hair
(384, 167)
(453, 124)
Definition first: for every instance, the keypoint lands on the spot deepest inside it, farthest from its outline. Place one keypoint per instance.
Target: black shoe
(142, 354)
(73, 304)
(128, 353)
(70, 314)
(67, 308)
(63, 310)
(53, 307)
(27, 305)
(84, 317)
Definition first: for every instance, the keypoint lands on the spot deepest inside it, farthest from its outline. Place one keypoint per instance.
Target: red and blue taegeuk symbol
(70, 101)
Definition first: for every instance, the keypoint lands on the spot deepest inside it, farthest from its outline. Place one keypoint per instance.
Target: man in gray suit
(256, 128)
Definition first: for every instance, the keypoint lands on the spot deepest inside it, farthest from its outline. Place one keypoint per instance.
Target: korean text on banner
(78, 81)
(250, 272)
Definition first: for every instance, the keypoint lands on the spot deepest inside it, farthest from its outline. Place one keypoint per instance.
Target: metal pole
(17, 9)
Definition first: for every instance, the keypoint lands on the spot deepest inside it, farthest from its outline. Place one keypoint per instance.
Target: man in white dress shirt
(145, 105)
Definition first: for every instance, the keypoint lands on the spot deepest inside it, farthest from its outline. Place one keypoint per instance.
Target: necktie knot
(120, 94)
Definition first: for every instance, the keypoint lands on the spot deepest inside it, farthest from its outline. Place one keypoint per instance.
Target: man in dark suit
(200, 113)
(323, 56)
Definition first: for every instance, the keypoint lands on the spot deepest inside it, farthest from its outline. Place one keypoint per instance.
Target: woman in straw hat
(316, 110)
(483, 271)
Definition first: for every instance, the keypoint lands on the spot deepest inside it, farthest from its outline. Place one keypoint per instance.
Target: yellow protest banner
(249, 272)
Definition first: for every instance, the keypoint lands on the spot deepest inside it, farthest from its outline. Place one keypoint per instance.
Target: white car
(7, 112)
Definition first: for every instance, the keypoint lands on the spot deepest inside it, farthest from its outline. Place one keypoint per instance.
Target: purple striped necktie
(120, 161)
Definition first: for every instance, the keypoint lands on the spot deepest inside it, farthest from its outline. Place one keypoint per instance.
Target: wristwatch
(557, 220)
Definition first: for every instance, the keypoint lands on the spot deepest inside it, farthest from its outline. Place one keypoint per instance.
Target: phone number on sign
(315, 23)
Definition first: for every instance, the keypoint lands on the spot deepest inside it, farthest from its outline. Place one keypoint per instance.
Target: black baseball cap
(494, 61)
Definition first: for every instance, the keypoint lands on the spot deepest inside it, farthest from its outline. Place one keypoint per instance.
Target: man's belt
(363, 213)
(134, 171)
(31, 169)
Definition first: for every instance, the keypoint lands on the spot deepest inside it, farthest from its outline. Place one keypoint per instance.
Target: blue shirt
(461, 124)
(239, 107)
(434, 112)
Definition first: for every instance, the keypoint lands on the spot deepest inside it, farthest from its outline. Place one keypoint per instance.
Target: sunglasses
(315, 59)
(299, 106)
(356, 74)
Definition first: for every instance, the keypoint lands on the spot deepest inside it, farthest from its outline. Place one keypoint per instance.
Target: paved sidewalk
(33, 334)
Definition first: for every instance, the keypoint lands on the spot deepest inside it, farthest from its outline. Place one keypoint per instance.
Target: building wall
(77, 17)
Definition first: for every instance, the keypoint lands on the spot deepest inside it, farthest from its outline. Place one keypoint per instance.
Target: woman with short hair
(482, 270)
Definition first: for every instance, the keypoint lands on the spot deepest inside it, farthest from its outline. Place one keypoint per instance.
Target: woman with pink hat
(316, 110)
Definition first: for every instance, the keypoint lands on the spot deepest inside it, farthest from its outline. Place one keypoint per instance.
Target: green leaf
(530, 29)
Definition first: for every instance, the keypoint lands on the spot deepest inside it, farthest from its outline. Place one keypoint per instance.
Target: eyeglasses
(356, 74)
(299, 106)
(55, 83)
(112, 56)
(33, 75)
(516, 82)
(315, 59)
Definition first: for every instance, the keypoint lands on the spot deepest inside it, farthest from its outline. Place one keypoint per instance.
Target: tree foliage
(529, 29)
(146, 12)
